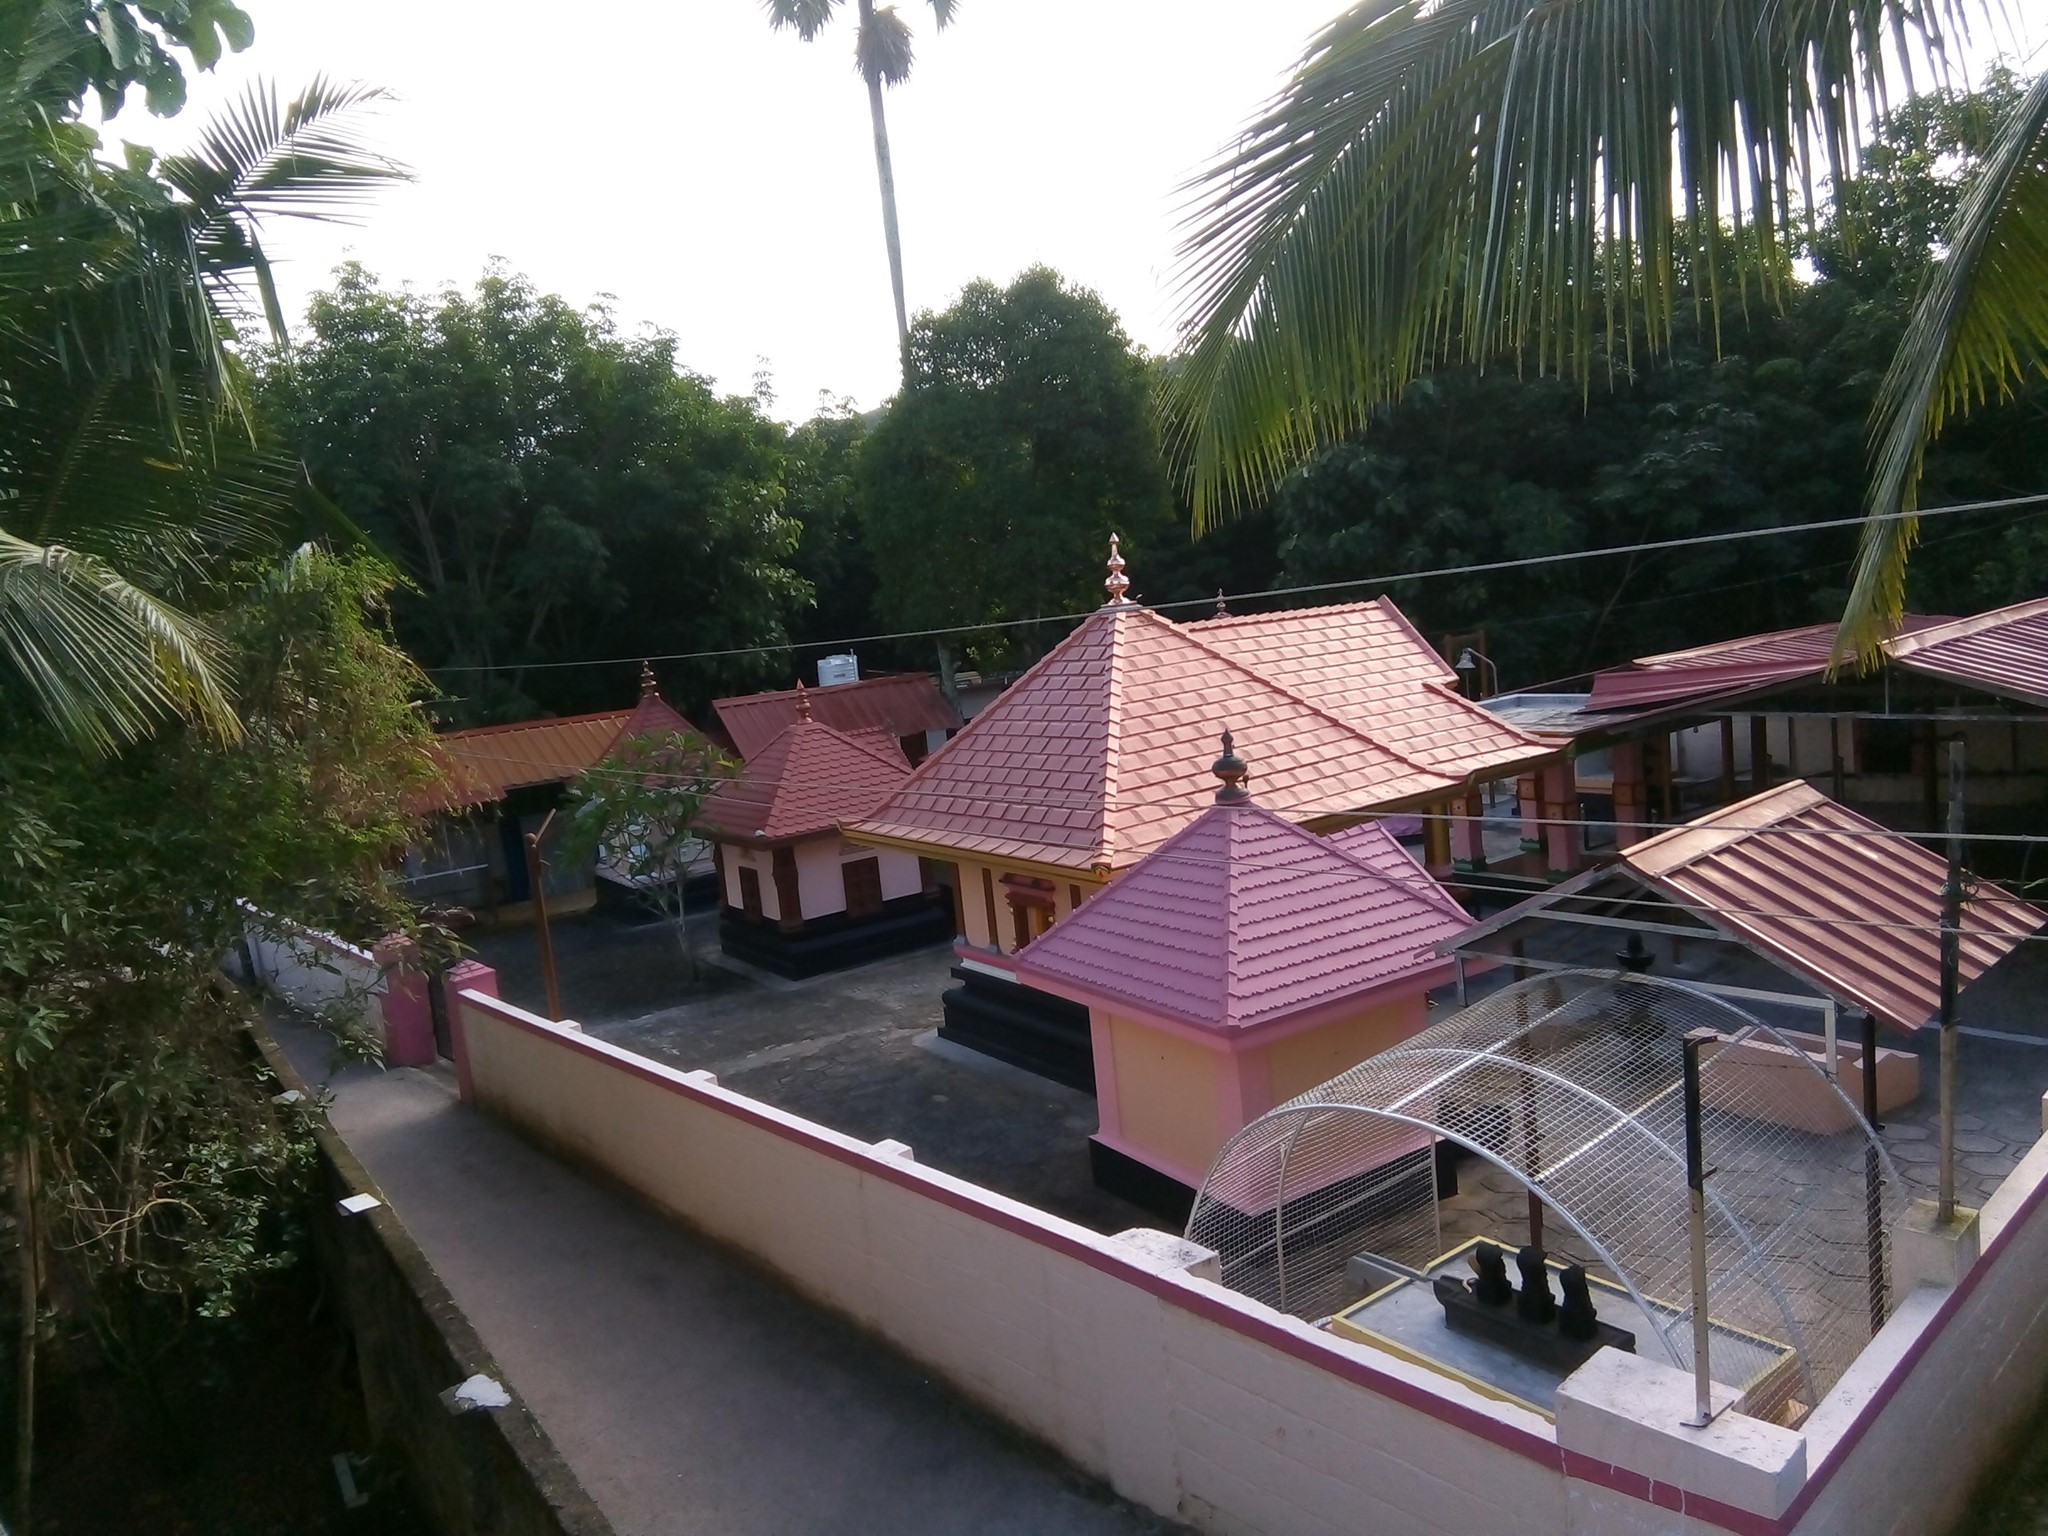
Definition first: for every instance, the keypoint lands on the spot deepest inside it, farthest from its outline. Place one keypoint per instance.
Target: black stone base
(1140, 1183)
(835, 942)
(1018, 1024)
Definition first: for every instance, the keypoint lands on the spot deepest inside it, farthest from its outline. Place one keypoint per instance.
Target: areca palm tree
(1477, 180)
(882, 53)
(131, 472)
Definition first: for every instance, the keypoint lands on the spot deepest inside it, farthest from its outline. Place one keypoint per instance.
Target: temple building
(1079, 769)
(905, 706)
(794, 896)
(1241, 962)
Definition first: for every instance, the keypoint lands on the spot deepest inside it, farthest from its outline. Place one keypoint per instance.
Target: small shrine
(1243, 960)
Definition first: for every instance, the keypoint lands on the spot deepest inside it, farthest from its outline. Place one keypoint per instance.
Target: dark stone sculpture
(1491, 1287)
(1576, 1319)
(1534, 1303)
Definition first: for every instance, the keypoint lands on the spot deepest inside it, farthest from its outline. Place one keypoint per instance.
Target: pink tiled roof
(1365, 663)
(1726, 667)
(809, 779)
(2004, 651)
(652, 716)
(1834, 896)
(905, 705)
(1100, 752)
(1243, 918)
(488, 762)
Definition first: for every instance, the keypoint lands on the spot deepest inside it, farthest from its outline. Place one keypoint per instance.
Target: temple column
(1727, 758)
(1563, 853)
(1631, 793)
(1436, 841)
(1529, 803)
(1468, 833)
(1759, 754)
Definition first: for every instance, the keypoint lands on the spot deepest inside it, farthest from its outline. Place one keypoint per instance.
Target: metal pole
(1873, 1179)
(1951, 966)
(540, 917)
(1696, 1185)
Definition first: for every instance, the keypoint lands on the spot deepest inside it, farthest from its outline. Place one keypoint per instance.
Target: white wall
(821, 887)
(316, 971)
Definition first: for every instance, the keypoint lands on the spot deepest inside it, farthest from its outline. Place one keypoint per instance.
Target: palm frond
(943, 12)
(1979, 328)
(884, 50)
(807, 18)
(303, 158)
(1478, 179)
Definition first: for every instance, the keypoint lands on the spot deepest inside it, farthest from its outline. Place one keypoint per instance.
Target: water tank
(844, 668)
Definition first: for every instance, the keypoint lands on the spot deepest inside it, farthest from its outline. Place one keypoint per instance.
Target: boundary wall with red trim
(1211, 1408)
(316, 971)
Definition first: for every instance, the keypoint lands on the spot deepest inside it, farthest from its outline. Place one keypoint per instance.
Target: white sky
(718, 179)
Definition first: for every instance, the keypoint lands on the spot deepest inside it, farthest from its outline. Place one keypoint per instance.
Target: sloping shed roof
(2004, 651)
(808, 780)
(488, 762)
(1832, 896)
(1741, 665)
(1243, 918)
(906, 705)
(1093, 757)
(1365, 663)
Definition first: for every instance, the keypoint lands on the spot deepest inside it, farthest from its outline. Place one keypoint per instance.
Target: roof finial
(1231, 771)
(803, 701)
(1118, 583)
(1221, 611)
(649, 689)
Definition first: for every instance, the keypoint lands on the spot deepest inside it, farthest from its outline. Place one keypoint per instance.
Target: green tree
(129, 467)
(882, 52)
(821, 484)
(551, 488)
(1022, 438)
(1467, 180)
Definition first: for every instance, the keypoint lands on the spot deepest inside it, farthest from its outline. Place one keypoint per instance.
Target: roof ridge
(1909, 642)
(1431, 891)
(1724, 833)
(871, 749)
(1113, 720)
(533, 725)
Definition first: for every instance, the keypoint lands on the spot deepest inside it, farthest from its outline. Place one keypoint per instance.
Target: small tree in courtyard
(637, 812)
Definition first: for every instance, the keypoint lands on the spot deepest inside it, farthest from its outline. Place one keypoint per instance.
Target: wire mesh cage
(1568, 1086)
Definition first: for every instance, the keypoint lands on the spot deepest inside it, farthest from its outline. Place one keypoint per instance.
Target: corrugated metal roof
(2004, 651)
(1100, 752)
(1833, 896)
(1725, 668)
(1243, 918)
(808, 780)
(902, 705)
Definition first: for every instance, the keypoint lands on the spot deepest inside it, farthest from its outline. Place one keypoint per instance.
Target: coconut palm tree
(1476, 180)
(131, 471)
(882, 53)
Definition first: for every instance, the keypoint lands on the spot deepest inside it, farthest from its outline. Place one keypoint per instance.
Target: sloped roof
(2004, 651)
(488, 762)
(652, 716)
(1741, 665)
(1095, 755)
(905, 705)
(1243, 918)
(1833, 896)
(809, 779)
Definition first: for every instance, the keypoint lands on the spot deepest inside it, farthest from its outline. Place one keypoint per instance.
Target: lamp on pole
(1472, 667)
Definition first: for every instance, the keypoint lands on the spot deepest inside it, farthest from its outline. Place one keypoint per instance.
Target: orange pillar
(1468, 834)
(1436, 841)
(1563, 848)
(1631, 794)
(1529, 802)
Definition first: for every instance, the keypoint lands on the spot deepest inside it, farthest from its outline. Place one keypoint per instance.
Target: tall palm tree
(131, 471)
(882, 53)
(1468, 180)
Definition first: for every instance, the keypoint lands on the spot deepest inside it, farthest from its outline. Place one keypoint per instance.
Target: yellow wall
(1299, 1062)
(974, 903)
(1167, 1092)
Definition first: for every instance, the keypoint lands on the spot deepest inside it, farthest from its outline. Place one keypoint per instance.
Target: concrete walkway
(689, 1392)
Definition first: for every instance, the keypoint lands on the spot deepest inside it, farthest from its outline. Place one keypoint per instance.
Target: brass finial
(1118, 583)
(1231, 771)
(1221, 611)
(648, 687)
(803, 701)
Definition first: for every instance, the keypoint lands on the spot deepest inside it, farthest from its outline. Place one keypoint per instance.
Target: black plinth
(1538, 1342)
(834, 942)
(1140, 1183)
(1021, 1025)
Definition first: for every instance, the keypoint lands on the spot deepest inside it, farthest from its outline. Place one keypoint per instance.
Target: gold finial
(1221, 611)
(1118, 583)
(803, 701)
(1231, 771)
(648, 687)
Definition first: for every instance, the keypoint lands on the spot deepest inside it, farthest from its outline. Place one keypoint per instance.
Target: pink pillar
(408, 1016)
(1468, 834)
(1631, 794)
(1562, 853)
(467, 976)
(1529, 803)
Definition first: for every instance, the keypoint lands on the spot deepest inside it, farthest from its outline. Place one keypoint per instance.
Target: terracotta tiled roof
(906, 705)
(809, 779)
(490, 761)
(2004, 651)
(1726, 667)
(652, 716)
(1243, 918)
(1365, 663)
(1832, 896)
(1099, 753)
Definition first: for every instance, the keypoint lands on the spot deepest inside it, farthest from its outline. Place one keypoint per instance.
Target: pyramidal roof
(1089, 760)
(1243, 919)
(809, 779)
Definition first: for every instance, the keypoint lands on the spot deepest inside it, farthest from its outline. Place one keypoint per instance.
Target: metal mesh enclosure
(1570, 1084)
